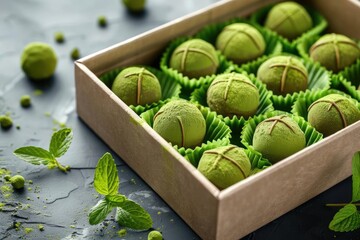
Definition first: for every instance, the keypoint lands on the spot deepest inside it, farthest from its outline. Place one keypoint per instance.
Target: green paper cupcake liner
(217, 134)
(319, 25)
(236, 123)
(312, 136)
(210, 33)
(258, 163)
(188, 84)
(169, 87)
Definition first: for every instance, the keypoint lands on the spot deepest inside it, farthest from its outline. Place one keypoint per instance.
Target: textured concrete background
(61, 201)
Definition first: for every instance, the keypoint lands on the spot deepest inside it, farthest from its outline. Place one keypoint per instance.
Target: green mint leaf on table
(60, 142)
(115, 200)
(99, 212)
(132, 215)
(106, 180)
(34, 155)
(356, 177)
(347, 219)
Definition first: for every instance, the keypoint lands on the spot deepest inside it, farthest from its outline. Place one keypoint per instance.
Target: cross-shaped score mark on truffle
(186, 50)
(287, 15)
(287, 66)
(221, 155)
(139, 75)
(276, 120)
(335, 43)
(244, 31)
(332, 104)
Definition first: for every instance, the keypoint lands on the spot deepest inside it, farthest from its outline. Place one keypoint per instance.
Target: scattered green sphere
(180, 123)
(155, 235)
(332, 113)
(59, 37)
(195, 58)
(233, 94)
(17, 181)
(335, 52)
(75, 54)
(137, 86)
(225, 166)
(25, 101)
(5, 121)
(38, 61)
(102, 21)
(289, 19)
(283, 75)
(241, 43)
(134, 5)
(278, 137)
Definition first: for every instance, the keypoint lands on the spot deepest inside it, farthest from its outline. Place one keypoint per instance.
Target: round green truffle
(180, 123)
(335, 51)
(278, 137)
(289, 19)
(240, 43)
(38, 61)
(155, 235)
(332, 113)
(225, 166)
(195, 58)
(233, 94)
(134, 5)
(17, 181)
(137, 86)
(25, 101)
(5, 121)
(283, 75)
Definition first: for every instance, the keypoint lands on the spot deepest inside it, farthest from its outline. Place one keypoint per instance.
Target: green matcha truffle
(137, 86)
(289, 19)
(155, 235)
(240, 42)
(278, 137)
(335, 52)
(5, 121)
(102, 21)
(225, 166)
(38, 61)
(332, 113)
(283, 75)
(25, 101)
(134, 5)
(59, 37)
(180, 123)
(75, 54)
(195, 58)
(17, 181)
(233, 94)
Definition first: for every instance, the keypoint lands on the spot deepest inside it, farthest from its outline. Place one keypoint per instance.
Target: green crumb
(7, 177)
(17, 226)
(6, 190)
(18, 127)
(28, 198)
(17, 181)
(133, 181)
(29, 188)
(75, 54)
(38, 92)
(28, 230)
(5, 121)
(72, 226)
(25, 101)
(1, 206)
(4, 171)
(155, 235)
(30, 182)
(59, 37)
(102, 21)
(122, 232)
(41, 227)
(47, 114)
(158, 212)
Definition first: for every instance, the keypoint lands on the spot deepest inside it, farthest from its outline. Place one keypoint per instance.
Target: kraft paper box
(240, 209)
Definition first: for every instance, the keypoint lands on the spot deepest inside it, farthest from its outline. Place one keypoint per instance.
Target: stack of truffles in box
(242, 95)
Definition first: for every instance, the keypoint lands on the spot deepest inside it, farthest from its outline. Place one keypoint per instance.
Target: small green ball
(102, 21)
(137, 86)
(38, 61)
(225, 166)
(278, 137)
(195, 58)
(335, 51)
(7, 177)
(240, 42)
(233, 94)
(181, 123)
(17, 181)
(25, 101)
(155, 235)
(59, 37)
(5, 121)
(75, 54)
(134, 5)
(289, 19)
(332, 113)
(283, 75)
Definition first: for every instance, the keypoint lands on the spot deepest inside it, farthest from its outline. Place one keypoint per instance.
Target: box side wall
(165, 170)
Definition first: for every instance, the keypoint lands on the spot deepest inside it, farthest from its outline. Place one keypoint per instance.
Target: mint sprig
(59, 144)
(128, 213)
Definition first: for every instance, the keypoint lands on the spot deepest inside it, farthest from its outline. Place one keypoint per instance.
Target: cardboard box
(247, 205)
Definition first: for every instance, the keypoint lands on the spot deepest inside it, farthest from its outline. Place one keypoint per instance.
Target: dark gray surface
(61, 201)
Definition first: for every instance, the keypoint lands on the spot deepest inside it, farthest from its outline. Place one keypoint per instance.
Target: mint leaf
(346, 219)
(132, 215)
(115, 200)
(356, 177)
(99, 212)
(60, 142)
(106, 180)
(34, 155)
